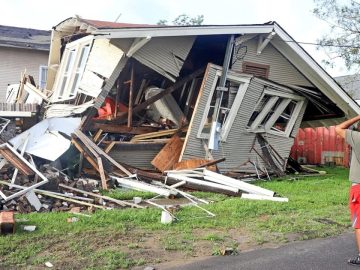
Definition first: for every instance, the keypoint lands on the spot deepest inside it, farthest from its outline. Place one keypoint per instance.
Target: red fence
(320, 146)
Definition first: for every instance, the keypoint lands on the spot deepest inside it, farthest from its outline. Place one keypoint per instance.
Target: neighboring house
(22, 49)
(244, 89)
(351, 84)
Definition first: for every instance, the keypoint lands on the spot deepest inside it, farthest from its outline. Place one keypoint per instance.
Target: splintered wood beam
(109, 147)
(131, 91)
(167, 91)
(88, 158)
(102, 173)
(93, 147)
(113, 128)
(97, 135)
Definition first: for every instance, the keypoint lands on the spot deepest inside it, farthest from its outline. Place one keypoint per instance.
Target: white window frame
(268, 127)
(225, 129)
(42, 76)
(72, 65)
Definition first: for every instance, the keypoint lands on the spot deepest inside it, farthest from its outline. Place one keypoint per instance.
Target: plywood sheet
(168, 155)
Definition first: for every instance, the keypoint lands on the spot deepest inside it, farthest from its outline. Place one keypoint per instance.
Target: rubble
(152, 113)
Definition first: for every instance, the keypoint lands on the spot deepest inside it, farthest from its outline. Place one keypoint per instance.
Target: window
(229, 104)
(255, 69)
(42, 76)
(276, 113)
(71, 69)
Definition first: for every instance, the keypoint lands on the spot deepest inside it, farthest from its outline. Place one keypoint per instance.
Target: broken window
(71, 69)
(230, 101)
(275, 113)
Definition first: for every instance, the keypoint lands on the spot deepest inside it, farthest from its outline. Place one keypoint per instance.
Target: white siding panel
(13, 61)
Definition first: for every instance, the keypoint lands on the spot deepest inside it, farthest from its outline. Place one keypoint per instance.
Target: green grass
(121, 239)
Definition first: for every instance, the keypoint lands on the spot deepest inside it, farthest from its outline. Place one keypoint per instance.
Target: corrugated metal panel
(165, 55)
(138, 155)
(281, 70)
(320, 146)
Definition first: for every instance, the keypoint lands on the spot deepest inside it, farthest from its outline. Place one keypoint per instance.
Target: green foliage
(184, 19)
(343, 40)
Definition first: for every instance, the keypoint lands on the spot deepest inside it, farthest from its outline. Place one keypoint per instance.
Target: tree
(184, 19)
(343, 39)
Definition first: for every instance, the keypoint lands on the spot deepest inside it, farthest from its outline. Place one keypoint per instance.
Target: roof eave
(183, 31)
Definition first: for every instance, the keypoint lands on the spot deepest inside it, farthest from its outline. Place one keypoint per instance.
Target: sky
(294, 16)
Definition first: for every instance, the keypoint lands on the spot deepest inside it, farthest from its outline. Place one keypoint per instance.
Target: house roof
(351, 84)
(280, 39)
(109, 25)
(25, 38)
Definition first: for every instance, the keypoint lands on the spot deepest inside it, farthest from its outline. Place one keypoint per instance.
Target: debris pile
(156, 114)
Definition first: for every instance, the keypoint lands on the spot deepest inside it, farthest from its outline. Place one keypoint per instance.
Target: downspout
(216, 126)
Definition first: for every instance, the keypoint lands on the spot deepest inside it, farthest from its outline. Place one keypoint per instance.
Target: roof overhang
(170, 31)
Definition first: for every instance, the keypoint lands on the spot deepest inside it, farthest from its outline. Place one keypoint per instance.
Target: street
(316, 254)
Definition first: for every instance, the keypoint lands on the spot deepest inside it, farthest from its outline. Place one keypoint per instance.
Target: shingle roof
(106, 25)
(26, 38)
(351, 84)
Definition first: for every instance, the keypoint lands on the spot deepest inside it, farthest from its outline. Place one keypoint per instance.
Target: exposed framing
(71, 69)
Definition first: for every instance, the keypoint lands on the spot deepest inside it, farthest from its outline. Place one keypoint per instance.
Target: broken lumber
(122, 203)
(225, 180)
(97, 149)
(168, 155)
(141, 186)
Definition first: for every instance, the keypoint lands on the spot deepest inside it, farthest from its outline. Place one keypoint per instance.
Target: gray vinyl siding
(238, 145)
(138, 155)
(14, 61)
(281, 70)
(161, 52)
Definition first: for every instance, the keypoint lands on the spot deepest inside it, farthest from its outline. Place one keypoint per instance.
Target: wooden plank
(123, 203)
(97, 135)
(156, 134)
(168, 155)
(109, 147)
(113, 128)
(94, 147)
(193, 164)
(102, 173)
(16, 162)
(131, 92)
(88, 158)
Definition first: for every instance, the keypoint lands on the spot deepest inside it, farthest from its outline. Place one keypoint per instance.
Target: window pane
(283, 120)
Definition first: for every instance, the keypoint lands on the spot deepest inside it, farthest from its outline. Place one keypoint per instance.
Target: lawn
(123, 239)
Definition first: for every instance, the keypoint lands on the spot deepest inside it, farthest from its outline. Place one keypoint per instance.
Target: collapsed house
(144, 99)
(235, 88)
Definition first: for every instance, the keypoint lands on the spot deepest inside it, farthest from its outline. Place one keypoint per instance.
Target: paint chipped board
(16, 162)
(91, 84)
(169, 154)
(103, 57)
